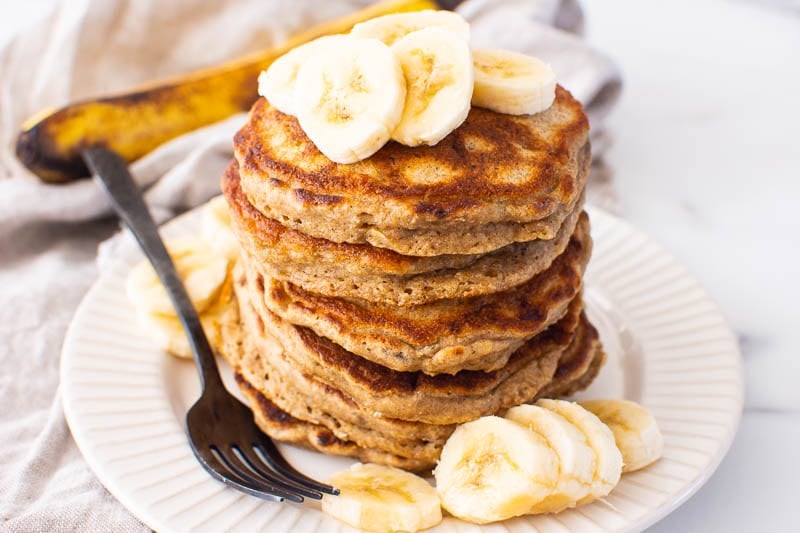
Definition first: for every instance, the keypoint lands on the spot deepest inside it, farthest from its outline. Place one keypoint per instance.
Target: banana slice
(202, 269)
(168, 331)
(438, 69)
(382, 498)
(170, 336)
(217, 228)
(491, 469)
(512, 83)
(608, 460)
(576, 458)
(635, 431)
(350, 97)
(392, 28)
(277, 83)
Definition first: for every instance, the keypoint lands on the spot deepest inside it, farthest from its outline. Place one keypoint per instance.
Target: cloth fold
(49, 234)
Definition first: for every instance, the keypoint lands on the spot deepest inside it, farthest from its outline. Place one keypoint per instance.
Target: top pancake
(494, 169)
(377, 274)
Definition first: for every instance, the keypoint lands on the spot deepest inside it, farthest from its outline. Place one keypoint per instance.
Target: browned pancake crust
(439, 399)
(443, 336)
(378, 274)
(572, 366)
(493, 168)
(331, 435)
(269, 234)
(495, 180)
(268, 369)
(582, 371)
(282, 426)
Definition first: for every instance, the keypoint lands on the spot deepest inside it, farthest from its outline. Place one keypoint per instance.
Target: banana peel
(135, 123)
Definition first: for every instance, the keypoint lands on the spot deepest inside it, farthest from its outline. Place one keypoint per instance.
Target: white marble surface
(706, 160)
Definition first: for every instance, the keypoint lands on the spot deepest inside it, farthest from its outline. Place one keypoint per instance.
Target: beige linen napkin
(49, 234)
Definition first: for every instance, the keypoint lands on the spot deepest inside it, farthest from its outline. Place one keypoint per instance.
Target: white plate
(669, 348)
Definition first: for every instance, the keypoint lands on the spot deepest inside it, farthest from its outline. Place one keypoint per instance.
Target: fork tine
(271, 456)
(247, 482)
(251, 459)
(219, 472)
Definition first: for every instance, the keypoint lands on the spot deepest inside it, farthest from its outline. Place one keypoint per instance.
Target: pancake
(266, 365)
(571, 366)
(440, 399)
(308, 399)
(444, 336)
(495, 180)
(410, 445)
(381, 275)
(282, 426)
(575, 371)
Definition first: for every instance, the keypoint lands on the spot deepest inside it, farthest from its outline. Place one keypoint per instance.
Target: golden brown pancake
(444, 336)
(305, 411)
(440, 399)
(381, 275)
(575, 371)
(495, 180)
(382, 303)
(282, 426)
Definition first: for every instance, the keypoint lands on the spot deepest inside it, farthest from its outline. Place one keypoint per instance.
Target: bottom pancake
(295, 407)
(282, 426)
(378, 274)
(414, 396)
(581, 376)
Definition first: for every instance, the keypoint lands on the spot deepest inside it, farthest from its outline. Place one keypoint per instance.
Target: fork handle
(129, 204)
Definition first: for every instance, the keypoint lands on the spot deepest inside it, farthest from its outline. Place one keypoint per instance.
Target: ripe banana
(217, 228)
(391, 28)
(635, 431)
(134, 123)
(202, 269)
(382, 498)
(576, 458)
(608, 460)
(350, 97)
(437, 66)
(491, 469)
(277, 83)
(512, 83)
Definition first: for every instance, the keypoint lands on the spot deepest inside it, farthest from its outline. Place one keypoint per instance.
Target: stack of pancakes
(383, 302)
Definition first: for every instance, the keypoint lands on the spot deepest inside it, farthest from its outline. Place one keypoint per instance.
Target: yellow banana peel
(135, 123)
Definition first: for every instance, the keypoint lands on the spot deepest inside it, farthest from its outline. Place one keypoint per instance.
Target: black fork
(221, 429)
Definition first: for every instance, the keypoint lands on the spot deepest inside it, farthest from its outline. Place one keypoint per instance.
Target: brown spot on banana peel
(35, 150)
(134, 124)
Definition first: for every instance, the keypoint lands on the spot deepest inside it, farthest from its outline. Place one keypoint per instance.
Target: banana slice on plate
(392, 28)
(635, 431)
(437, 66)
(168, 332)
(350, 97)
(277, 83)
(217, 228)
(382, 498)
(512, 83)
(576, 458)
(201, 267)
(492, 469)
(608, 460)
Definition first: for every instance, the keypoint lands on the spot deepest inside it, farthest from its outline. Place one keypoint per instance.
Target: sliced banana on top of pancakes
(407, 77)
